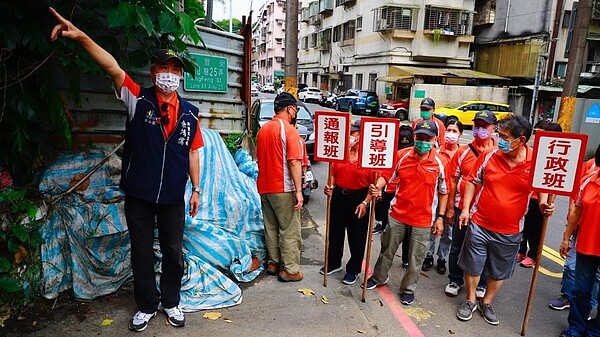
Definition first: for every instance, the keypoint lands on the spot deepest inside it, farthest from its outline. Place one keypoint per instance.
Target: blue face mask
(425, 114)
(423, 146)
(504, 145)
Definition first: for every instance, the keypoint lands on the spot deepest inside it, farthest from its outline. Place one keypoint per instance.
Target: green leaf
(10, 284)
(13, 246)
(179, 44)
(4, 264)
(122, 16)
(20, 232)
(144, 20)
(189, 28)
(168, 22)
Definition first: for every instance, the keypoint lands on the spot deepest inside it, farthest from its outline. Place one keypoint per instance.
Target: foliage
(437, 35)
(38, 78)
(19, 248)
(236, 25)
(232, 142)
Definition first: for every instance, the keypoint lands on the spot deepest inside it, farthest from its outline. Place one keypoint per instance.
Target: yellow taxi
(466, 110)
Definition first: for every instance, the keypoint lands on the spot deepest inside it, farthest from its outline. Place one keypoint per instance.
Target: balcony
(326, 6)
(399, 21)
(345, 3)
(304, 14)
(313, 8)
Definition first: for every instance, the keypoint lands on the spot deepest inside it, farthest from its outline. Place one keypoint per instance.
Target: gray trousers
(391, 238)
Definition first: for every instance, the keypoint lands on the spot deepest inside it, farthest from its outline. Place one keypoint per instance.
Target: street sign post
(332, 130)
(211, 75)
(557, 163)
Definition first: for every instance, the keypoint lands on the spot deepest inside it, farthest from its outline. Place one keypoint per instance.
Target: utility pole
(209, 13)
(291, 47)
(574, 65)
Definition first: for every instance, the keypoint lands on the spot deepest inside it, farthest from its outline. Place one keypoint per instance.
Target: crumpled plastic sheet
(87, 243)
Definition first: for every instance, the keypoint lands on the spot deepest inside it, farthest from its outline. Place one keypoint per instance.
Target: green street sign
(211, 75)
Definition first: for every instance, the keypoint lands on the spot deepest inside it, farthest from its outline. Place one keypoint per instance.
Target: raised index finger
(57, 16)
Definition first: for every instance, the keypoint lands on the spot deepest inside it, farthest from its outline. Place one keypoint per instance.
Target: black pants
(532, 229)
(382, 210)
(342, 219)
(142, 216)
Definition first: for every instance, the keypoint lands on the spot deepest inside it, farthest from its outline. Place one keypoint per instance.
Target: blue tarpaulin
(87, 243)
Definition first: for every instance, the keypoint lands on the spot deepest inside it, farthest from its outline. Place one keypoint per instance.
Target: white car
(309, 94)
(254, 91)
(269, 87)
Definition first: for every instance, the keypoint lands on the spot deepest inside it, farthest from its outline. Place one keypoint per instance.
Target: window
(304, 43)
(337, 33)
(392, 17)
(279, 59)
(358, 81)
(348, 31)
(359, 23)
(313, 40)
(566, 19)
(450, 21)
(269, 62)
(560, 69)
(372, 82)
(279, 41)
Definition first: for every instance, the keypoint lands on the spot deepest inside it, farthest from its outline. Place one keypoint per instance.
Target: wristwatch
(196, 189)
(364, 203)
(440, 215)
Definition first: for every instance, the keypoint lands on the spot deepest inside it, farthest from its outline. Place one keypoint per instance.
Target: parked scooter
(331, 100)
(309, 183)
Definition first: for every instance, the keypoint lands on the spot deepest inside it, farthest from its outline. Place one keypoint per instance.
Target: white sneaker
(479, 292)
(175, 316)
(140, 320)
(452, 289)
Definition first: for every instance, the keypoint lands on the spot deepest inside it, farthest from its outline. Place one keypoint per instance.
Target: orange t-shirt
(277, 142)
(441, 138)
(348, 175)
(134, 90)
(589, 223)
(501, 204)
(419, 182)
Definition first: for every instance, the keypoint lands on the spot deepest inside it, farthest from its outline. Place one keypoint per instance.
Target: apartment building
(387, 46)
(269, 43)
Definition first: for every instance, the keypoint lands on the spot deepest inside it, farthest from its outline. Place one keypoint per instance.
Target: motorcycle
(309, 183)
(331, 100)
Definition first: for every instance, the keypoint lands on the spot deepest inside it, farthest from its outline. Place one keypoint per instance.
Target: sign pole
(327, 230)
(369, 239)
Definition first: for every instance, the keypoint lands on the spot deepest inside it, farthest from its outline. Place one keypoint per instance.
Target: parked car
(268, 87)
(358, 101)
(466, 110)
(395, 109)
(254, 91)
(262, 111)
(309, 94)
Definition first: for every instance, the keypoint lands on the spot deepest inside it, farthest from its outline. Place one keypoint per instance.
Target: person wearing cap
(348, 186)
(427, 109)
(484, 124)
(454, 130)
(491, 241)
(421, 190)
(162, 136)
(279, 153)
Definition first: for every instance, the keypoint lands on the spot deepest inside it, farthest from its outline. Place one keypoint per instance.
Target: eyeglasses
(164, 113)
(505, 136)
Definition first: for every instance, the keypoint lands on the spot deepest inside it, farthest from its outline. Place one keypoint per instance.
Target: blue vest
(155, 169)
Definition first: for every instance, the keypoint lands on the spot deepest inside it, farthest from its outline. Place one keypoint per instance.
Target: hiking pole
(325, 270)
(538, 257)
(369, 239)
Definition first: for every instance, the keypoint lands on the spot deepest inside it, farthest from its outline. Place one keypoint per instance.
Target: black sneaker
(331, 270)
(377, 229)
(407, 299)
(371, 284)
(140, 321)
(349, 278)
(427, 264)
(175, 316)
(441, 267)
(405, 266)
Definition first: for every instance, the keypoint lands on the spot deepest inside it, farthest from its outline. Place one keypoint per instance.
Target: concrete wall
(448, 94)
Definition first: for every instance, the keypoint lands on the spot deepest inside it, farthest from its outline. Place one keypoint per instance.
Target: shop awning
(442, 72)
(394, 79)
(582, 89)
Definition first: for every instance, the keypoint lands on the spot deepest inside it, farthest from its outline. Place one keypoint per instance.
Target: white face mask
(451, 138)
(352, 141)
(167, 82)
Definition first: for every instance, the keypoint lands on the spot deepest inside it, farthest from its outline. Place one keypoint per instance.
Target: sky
(240, 7)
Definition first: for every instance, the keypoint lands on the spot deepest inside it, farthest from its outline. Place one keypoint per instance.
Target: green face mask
(422, 146)
(425, 114)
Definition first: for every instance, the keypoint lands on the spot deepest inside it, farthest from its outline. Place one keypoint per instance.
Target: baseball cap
(355, 126)
(428, 103)
(486, 116)
(426, 127)
(406, 138)
(163, 55)
(283, 100)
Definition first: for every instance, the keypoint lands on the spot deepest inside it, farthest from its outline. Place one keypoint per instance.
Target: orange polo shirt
(461, 164)
(501, 204)
(419, 182)
(277, 142)
(348, 175)
(589, 224)
(441, 129)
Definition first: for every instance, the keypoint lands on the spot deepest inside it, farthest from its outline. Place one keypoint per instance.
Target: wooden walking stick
(535, 270)
(327, 229)
(369, 239)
